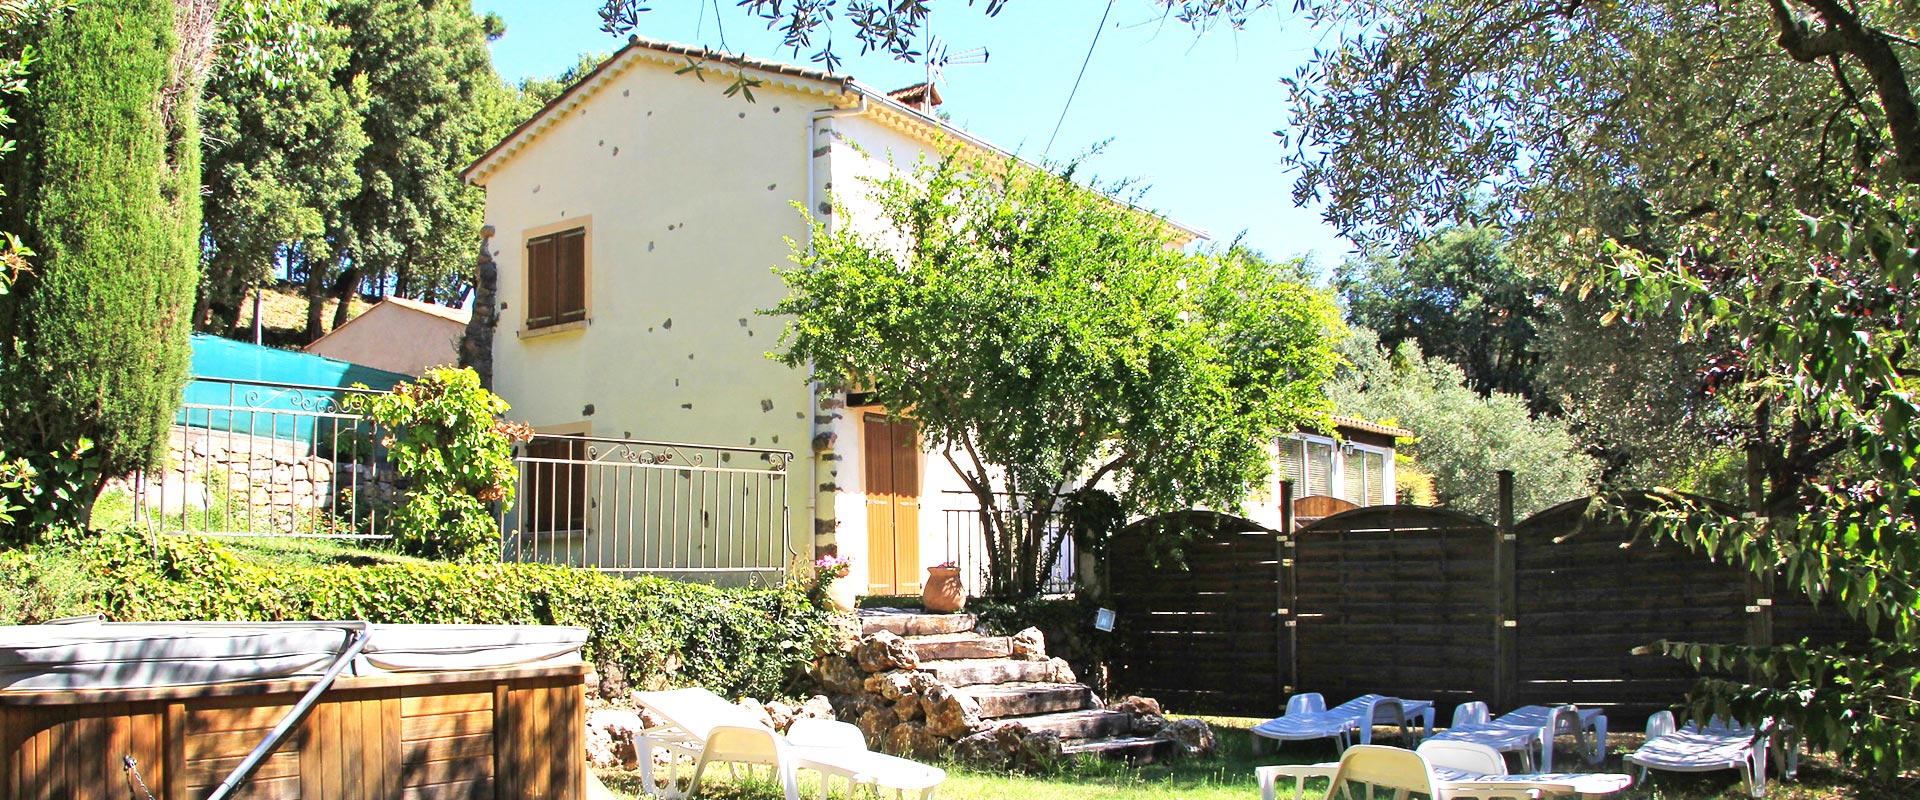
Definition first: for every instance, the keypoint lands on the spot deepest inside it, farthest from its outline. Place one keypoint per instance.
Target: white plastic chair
(1472, 712)
(1716, 747)
(1408, 772)
(736, 744)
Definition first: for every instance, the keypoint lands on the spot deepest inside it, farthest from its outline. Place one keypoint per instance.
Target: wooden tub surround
(501, 734)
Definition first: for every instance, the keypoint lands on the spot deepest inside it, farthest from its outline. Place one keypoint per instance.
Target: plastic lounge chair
(1694, 749)
(1471, 726)
(688, 719)
(838, 750)
(1529, 730)
(1406, 771)
(1308, 718)
(1587, 725)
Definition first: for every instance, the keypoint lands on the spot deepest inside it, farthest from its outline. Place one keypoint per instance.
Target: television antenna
(939, 57)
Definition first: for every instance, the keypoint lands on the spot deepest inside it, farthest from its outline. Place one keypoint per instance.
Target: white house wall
(690, 196)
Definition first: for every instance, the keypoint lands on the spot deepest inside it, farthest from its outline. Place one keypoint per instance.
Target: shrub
(457, 457)
(733, 641)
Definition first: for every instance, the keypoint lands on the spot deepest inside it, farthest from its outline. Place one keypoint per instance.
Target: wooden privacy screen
(1413, 602)
(1200, 633)
(515, 733)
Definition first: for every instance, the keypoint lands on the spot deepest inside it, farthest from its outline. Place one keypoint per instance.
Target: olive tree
(1047, 339)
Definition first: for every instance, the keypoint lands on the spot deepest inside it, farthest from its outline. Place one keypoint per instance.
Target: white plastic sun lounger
(1530, 730)
(1457, 770)
(691, 719)
(1716, 747)
(1308, 717)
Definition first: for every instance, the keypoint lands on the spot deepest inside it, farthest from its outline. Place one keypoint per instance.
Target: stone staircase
(1010, 688)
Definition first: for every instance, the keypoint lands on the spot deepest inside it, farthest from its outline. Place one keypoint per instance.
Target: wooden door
(893, 505)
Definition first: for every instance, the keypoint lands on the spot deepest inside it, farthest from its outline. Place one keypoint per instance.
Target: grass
(1229, 776)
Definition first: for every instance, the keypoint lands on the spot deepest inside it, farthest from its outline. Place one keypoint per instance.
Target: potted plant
(942, 592)
(830, 582)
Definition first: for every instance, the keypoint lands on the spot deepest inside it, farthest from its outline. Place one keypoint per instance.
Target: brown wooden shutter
(570, 278)
(556, 493)
(541, 277)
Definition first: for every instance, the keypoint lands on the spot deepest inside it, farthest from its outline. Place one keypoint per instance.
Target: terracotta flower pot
(942, 592)
(843, 592)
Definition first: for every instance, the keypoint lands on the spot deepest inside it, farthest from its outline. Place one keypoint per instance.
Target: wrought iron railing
(966, 547)
(627, 506)
(252, 458)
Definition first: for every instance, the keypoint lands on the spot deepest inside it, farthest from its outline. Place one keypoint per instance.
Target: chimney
(922, 97)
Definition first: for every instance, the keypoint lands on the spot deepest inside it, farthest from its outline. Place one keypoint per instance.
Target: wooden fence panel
(1396, 600)
(1199, 632)
(1405, 601)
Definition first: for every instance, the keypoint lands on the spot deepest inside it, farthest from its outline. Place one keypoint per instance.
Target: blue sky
(1191, 117)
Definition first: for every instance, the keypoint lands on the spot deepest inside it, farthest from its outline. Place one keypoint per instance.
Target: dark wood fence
(1199, 627)
(1431, 604)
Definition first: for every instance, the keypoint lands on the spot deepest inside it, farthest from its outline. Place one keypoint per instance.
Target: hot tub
(426, 711)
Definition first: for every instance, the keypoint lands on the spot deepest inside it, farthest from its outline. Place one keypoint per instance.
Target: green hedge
(733, 641)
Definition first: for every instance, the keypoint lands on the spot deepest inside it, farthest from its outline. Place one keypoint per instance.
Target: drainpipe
(820, 500)
(244, 772)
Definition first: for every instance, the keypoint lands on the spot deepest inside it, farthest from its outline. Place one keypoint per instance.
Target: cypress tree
(104, 187)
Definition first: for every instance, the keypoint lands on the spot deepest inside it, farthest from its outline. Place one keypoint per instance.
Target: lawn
(1230, 776)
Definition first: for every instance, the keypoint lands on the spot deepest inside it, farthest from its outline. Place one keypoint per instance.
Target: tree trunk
(344, 290)
(316, 298)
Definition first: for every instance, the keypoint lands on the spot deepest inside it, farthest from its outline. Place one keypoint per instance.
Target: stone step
(1024, 699)
(974, 671)
(1138, 749)
(904, 624)
(953, 646)
(1090, 723)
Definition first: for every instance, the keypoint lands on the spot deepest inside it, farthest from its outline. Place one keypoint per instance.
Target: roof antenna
(938, 59)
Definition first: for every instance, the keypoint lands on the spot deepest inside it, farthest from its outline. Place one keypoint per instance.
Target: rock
(1030, 645)
(885, 650)
(891, 685)
(913, 740)
(1009, 735)
(983, 750)
(610, 738)
(757, 709)
(1059, 671)
(613, 679)
(838, 675)
(1039, 752)
(1132, 704)
(1194, 737)
(1148, 724)
(816, 707)
(780, 714)
(950, 713)
(876, 723)
(907, 708)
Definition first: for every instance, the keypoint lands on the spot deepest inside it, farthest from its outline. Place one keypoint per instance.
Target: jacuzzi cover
(118, 655)
(127, 655)
(412, 648)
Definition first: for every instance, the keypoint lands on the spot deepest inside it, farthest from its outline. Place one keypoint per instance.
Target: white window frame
(1342, 448)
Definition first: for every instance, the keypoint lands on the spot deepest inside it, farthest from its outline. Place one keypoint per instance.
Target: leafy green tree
(533, 93)
(1457, 295)
(282, 149)
(1462, 437)
(432, 103)
(1047, 339)
(95, 348)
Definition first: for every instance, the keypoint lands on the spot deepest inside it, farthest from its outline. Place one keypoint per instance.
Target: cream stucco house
(638, 218)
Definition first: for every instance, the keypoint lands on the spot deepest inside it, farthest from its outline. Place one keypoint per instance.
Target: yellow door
(893, 505)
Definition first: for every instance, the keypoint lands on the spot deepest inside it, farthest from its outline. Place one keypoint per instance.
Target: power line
(1076, 79)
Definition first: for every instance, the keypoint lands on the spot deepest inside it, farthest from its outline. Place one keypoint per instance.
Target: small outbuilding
(397, 335)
